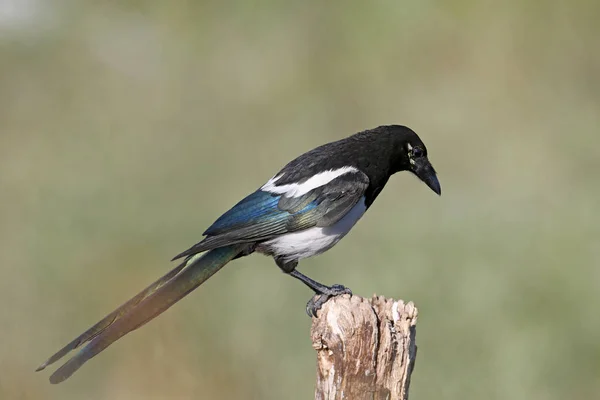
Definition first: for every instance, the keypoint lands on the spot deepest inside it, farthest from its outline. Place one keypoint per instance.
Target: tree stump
(365, 348)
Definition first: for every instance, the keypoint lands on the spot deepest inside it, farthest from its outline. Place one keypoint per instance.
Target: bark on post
(365, 348)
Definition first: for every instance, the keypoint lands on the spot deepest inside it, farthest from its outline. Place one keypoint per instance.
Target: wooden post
(365, 348)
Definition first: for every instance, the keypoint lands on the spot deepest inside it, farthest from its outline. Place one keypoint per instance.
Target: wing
(265, 214)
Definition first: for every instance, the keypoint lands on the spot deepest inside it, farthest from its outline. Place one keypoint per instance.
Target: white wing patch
(299, 189)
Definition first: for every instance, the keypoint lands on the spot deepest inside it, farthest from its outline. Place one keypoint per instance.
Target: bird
(302, 211)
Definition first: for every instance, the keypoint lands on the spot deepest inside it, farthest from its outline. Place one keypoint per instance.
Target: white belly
(313, 241)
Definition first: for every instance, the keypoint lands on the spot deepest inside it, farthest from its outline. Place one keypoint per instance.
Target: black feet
(322, 292)
(317, 301)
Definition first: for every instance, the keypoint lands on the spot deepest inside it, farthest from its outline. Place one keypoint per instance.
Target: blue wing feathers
(258, 215)
(259, 207)
(262, 214)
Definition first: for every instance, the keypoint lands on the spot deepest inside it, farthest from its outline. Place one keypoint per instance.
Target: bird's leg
(322, 292)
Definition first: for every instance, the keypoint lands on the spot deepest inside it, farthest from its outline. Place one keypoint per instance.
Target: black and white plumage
(304, 210)
(317, 198)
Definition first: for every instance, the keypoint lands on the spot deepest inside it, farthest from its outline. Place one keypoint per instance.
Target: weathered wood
(365, 348)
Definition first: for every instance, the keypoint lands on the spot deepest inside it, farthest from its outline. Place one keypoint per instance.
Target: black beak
(424, 170)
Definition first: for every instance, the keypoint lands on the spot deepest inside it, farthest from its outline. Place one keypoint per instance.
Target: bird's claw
(317, 301)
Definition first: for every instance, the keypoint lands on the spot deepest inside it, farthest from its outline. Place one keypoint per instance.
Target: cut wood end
(364, 347)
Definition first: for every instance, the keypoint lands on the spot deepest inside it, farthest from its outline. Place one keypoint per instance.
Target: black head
(410, 154)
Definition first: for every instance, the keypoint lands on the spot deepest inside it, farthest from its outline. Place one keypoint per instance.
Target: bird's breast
(312, 241)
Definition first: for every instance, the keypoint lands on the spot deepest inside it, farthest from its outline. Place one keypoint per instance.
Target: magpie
(304, 210)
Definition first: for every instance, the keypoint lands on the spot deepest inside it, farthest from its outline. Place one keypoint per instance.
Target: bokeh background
(127, 127)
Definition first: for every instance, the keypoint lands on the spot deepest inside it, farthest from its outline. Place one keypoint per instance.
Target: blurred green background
(127, 127)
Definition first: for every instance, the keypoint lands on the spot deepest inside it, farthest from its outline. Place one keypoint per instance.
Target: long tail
(146, 305)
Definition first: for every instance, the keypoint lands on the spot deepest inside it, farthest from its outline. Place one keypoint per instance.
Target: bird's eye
(417, 152)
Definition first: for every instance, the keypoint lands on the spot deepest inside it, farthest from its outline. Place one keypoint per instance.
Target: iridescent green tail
(146, 305)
